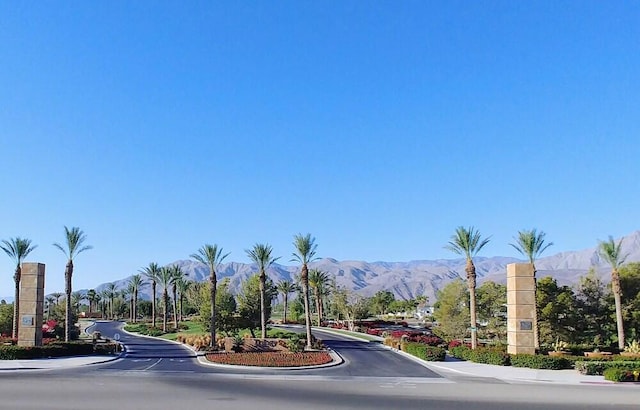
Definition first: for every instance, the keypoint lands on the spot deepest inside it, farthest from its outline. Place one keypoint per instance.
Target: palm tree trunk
(304, 275)
(16, 302)
(263, 308)
(536, 332)
(615, 285)
(68, 272)
(175, 307)
(135, 306)
(471, 282)
(153, 303)
(318, 303)
(181, 302)
(285, 308)
(214, 286)
(165, 301)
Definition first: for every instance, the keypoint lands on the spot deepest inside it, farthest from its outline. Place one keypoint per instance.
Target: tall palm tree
(178, 276)
(531, 244)
(165, 279)
(105, 296)
(57, 295)
(612, 253)
(74, 241)
(305, 252)
(76, 300)
(135, 282)
(17, 249)
(50, 304)
(468, 242)
(261, 256)
(111, 293)
(91, 297)
(152, 272)
(183, 288)
(211, 256)
(286, 287)
(318, 281)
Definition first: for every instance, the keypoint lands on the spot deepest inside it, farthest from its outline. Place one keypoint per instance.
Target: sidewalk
(509, 374)
(512, 374)
(54, 363)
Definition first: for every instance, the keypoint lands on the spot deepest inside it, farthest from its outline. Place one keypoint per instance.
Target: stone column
(520, 308)
(31, 304)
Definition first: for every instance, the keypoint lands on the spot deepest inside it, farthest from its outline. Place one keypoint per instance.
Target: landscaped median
(271, 359)
(281, 349)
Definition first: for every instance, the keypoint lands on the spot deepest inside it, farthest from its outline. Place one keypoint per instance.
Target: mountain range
(410, 279)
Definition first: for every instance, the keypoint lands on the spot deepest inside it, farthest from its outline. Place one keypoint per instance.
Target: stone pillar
(31, 304)
(521, 307)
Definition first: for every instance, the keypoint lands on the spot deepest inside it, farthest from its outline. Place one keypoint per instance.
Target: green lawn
(194, 327)
(359, 335)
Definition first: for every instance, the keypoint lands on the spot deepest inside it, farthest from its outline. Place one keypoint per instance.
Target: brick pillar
(31, 304)
(520, 308)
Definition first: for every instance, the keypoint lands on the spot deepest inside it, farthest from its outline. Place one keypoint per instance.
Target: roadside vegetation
(466, 320)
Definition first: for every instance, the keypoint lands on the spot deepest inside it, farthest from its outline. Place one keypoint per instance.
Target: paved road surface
(159, 375)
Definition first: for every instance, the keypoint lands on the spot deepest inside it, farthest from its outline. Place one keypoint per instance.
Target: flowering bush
(271, 359)
(427, 340)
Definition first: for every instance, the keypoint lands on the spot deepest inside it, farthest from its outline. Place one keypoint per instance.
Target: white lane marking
(145, 369)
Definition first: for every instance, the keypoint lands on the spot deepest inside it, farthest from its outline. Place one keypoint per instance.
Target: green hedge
(540, 362)
(56, 350)
(486, 355)
(597, 368)
(425, 352)
(619, 375)
(144, 329)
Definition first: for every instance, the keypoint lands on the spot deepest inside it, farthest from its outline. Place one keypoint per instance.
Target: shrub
(296, 344)
(540, 362)
(425, 352)
(427, 340)
(59, 349)
(271, 359)
(597, 367)
(620, 375)
(460, 352)
(490, 356)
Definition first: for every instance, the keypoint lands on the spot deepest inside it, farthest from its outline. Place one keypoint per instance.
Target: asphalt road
(160, 375)
(361, 359)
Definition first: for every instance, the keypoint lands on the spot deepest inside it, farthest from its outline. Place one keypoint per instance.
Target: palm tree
(91, 297)
(305, 251)
(165, 279)
(318, 281)
(74, 239)
(17, 249)
(152, 272)
(531, 244)
(76, 300)
(178, 276)
(261, 256)
(286, 287)
(467, 242)
(135, 282)
(612, 253)
(211, 256)
(111, 293)
(57, 295)
(50, 304)
(183, 288)
(105, 296)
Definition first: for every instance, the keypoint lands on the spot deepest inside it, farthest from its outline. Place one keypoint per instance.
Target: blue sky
(378, 127)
